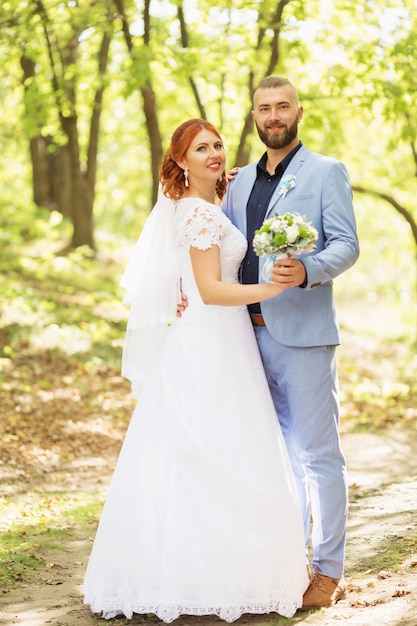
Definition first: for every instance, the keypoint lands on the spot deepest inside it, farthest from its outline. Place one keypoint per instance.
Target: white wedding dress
(202, 515)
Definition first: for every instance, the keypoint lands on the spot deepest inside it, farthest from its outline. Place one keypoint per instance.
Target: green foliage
(50, 302)
(374, 399)
(61, 325)
(354, 66)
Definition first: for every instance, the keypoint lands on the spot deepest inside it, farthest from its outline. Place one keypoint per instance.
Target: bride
(202, 515)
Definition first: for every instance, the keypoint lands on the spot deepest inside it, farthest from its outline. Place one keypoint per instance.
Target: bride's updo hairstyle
(171, 174)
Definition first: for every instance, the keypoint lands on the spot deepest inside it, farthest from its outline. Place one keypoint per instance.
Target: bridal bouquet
(284, 235)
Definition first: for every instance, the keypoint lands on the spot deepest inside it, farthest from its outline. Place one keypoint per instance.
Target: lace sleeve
(204, 227)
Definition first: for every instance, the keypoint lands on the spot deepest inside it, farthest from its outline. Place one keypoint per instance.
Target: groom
(297, 332)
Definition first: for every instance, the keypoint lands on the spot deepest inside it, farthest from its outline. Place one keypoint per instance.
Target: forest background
(90, 93)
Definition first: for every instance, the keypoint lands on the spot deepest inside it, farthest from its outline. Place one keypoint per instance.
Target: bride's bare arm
(207, 273)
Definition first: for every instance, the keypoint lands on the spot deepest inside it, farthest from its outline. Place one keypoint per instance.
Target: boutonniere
(286, 184)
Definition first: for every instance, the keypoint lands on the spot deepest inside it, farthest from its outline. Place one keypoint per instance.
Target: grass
(398, 553)
(38, 522)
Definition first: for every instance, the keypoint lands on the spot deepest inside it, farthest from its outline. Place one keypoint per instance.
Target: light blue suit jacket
(306, 316)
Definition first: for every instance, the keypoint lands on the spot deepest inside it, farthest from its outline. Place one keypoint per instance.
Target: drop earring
(186, 177)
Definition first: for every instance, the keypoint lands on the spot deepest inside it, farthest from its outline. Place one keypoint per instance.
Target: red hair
(171, 174)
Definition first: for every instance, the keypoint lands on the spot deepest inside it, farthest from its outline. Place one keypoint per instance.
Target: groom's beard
(276, 140)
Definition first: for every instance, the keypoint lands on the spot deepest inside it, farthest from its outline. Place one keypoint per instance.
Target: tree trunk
(82, 193)
(61, 180)
(148, 95)
(265, 23)
(155, 140)
(50, 164)
(51, 179)
(184, 43)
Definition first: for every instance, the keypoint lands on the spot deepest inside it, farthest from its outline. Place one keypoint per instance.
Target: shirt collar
(282, 166)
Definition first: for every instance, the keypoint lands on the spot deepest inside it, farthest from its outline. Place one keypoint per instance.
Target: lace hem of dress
(170, 612)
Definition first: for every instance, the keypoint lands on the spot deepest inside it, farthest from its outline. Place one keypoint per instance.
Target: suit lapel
(244, 197)
(295, 164)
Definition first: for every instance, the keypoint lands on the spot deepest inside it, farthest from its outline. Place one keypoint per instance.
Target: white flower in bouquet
(264, 239)
(289, 234)
(293, 232)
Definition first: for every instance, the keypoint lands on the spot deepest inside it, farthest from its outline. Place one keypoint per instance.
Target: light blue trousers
(304, 387)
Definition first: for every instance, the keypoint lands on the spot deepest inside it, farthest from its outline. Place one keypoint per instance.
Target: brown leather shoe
(323, 591)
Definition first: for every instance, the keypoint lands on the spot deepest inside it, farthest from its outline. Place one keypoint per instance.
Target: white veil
(152, 286)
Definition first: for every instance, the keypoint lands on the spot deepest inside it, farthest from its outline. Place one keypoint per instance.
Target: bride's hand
(181, 306)
(231, 174)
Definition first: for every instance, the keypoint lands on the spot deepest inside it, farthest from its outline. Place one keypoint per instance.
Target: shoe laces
(316, 578)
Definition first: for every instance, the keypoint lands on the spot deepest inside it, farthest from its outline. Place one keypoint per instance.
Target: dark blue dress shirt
(259, 199)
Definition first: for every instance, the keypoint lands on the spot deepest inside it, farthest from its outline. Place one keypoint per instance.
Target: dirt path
(383, 488)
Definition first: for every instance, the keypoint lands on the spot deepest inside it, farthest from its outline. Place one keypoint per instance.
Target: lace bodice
(201, 225)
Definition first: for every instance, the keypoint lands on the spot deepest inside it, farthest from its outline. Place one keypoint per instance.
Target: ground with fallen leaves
(62, 432)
